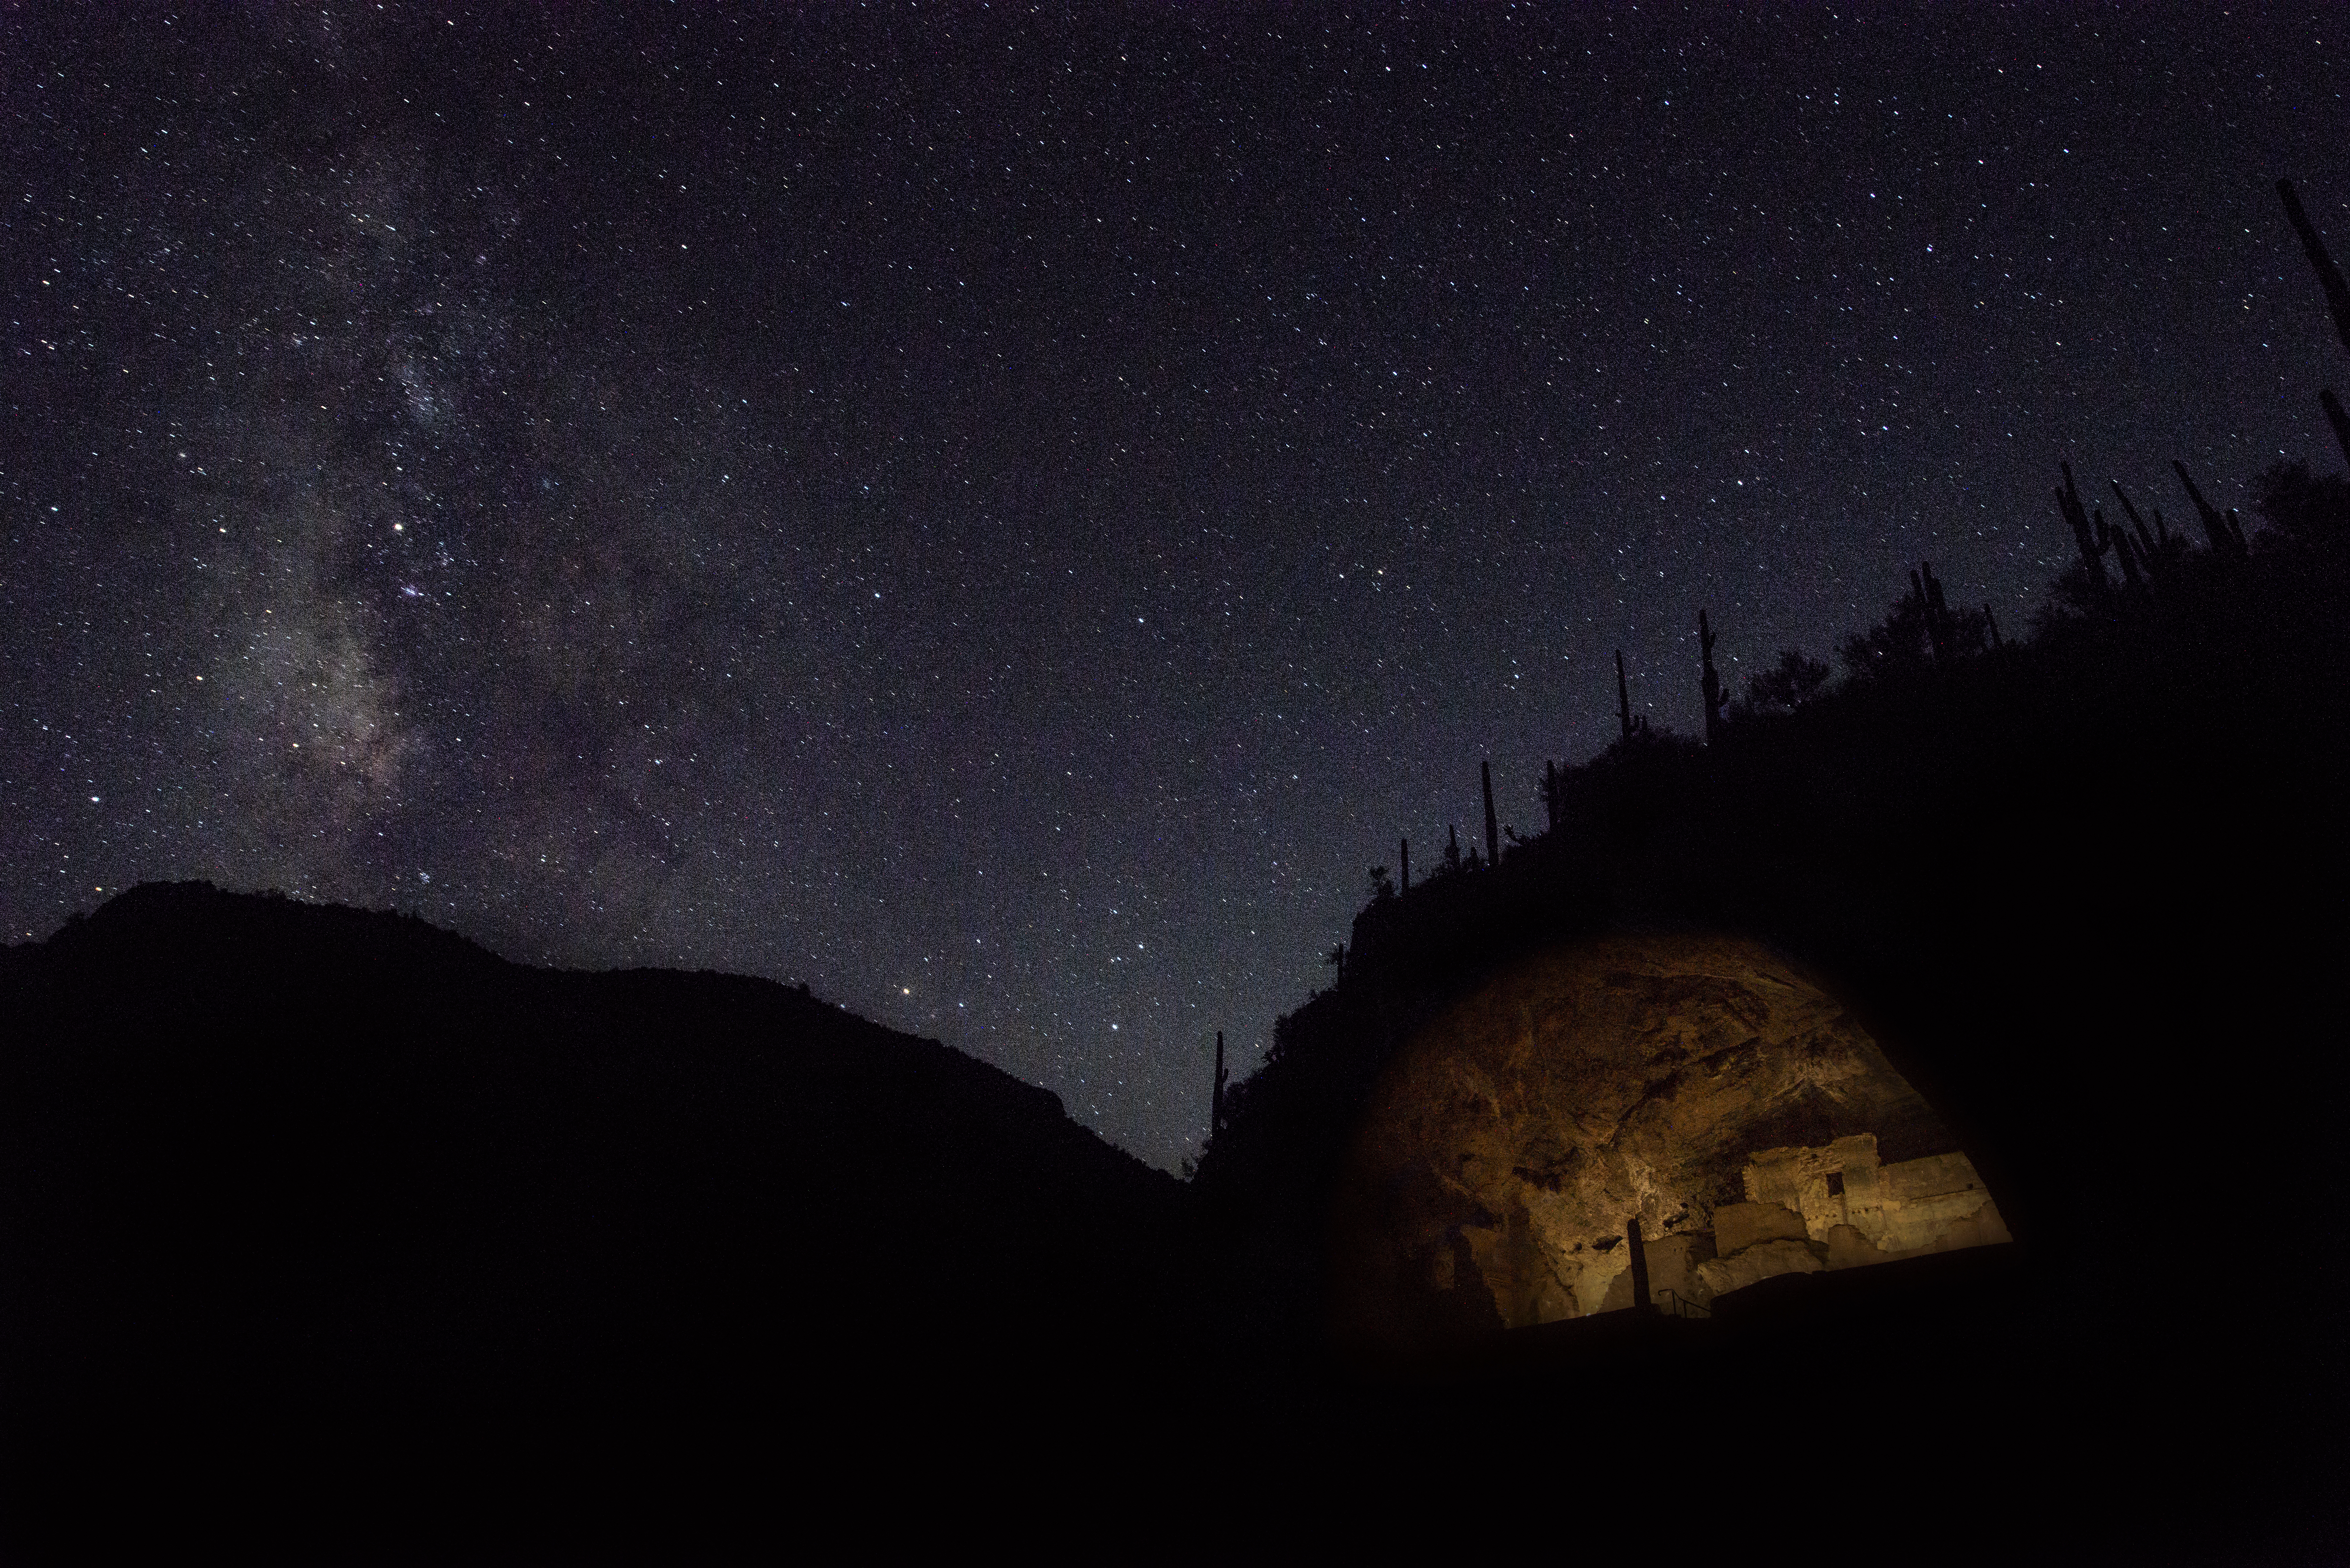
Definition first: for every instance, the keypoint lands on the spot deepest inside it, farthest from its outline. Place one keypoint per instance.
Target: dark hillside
(2086, 893)
(328, 1219)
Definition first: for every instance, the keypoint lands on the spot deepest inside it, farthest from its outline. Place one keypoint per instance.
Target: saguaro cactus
(1216, 1104)
(2329, 276)
(2227, 538)
(2336, 418)
(2068, 501)
(2337, 300)
(1710, 681)
(1929, 589)
(1550, 794)
(2154, 543)
(1403, 853)
(1624, 702)
(1492, 825)
(2124, 550)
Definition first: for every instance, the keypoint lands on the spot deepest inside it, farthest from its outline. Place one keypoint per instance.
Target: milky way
(1007, 517)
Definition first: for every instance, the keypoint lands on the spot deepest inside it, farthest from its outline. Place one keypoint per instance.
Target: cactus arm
(2335, 417)
(2222, 542)
(2329, 276)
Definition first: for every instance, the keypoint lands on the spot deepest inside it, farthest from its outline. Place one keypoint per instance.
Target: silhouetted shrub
(1795, 679)
(2302, 506)
(1902, 644)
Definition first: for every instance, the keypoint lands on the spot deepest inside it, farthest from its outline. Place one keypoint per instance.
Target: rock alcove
(1700, 1082)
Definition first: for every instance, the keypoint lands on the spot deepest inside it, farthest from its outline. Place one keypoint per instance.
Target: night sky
(1005, 513)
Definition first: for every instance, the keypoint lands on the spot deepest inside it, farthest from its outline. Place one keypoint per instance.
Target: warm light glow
(1699, 1083)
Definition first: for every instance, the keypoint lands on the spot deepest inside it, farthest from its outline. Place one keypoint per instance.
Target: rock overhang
(1700, 1083)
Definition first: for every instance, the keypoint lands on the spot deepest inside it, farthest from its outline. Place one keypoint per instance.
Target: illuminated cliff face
(1697, 1081)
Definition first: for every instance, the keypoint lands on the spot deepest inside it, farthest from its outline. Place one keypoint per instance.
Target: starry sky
(1006, 513)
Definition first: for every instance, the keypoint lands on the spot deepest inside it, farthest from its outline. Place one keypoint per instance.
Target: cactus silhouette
(2157, 546)
(2336, 418)
(1216, 1104)
(2124, 550)
(1492, 827)
(2329, 276)
(2226, 537)
(1624, 702)
(1938, 614)
(2068, 502)
(2337, 301)
(1709, 683)
(1928, 589)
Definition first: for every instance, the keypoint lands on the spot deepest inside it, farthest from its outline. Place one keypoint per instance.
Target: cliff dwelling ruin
(1699, 1083)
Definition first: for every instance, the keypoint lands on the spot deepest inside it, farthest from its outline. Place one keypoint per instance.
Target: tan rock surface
(1506, 1146)
(1763, 1260)
(1850, 1249)
(1737, 1226)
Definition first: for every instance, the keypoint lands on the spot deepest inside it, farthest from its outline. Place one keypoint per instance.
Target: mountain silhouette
(330, 1224)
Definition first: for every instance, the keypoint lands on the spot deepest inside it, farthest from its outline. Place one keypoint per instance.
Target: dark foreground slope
(2087, 895)
(325, 1230)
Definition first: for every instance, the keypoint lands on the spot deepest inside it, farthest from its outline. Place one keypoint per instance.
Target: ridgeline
(330, 1235)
